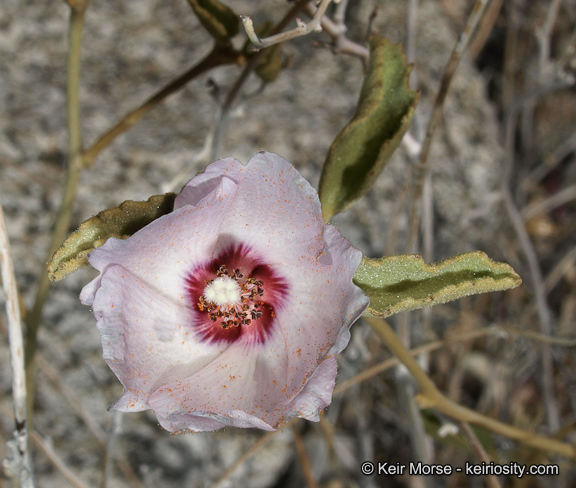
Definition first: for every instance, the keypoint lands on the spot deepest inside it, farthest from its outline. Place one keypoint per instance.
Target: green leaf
(360, 152)
(218, 19)
(120, 222)
(400, 283)
(270, 63)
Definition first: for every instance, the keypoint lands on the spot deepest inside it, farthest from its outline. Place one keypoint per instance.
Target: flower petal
(146, 337)
(203, 184)
(321, 308)
(317, 394)
(275, 209)
(234, 390)
(161, 253)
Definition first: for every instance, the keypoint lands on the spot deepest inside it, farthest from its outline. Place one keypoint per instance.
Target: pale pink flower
(231, 309)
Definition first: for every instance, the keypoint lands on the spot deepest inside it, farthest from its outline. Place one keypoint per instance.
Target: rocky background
(130, 50)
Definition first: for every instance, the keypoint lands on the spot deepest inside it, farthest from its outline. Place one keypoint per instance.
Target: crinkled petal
(275, 209)
(203, 184)
(322, 306)
(161, 253)
(242, 388)
(317, 394)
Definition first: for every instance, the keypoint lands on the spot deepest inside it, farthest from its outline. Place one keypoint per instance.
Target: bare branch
(216, 135)
(304, 459)
(337, 30)
(431, 397)
(564, 266)
(543, 35)
(544, 313)
(57, 462)
(301, 30)
(251, 451)
(450, 70)
(73, 169)
(491, 480)
(217, 57)
(20, 464)
(560, 198)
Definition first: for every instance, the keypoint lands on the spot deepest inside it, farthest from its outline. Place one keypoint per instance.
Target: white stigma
(223, 291)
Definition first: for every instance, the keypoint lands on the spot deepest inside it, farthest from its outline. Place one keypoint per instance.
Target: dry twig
(449, 71)
(337, 30)
(515, 217)
(259, 444)
(431, 397)
(301, 30)
(216, 135)
(57, 462)
(558, 199)
(219, 56)
(543, 35)
(303, 458)
(73, 169)
(19, 466)
(491, 480)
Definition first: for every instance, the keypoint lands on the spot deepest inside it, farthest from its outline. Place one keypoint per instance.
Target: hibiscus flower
(230, 310)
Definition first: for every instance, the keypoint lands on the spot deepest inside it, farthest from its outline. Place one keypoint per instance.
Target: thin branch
(407, 401)
(384, 366)
(73, 169)
(219, 56)
(337, 30)
(251, 451)
(303, 458)
(435, 345)
(301, 30)
(109, 448)
(484, 28)
(21, 463)
(91, 423)
(340, 12)
(561, 198)
(564, 266)
(491, 480)
(449, 71)
(431, 397)
(551, 160)
(55, 377)
(543, 35)
(57, 462)
(217, 134)
(544, 314)
(327, 430)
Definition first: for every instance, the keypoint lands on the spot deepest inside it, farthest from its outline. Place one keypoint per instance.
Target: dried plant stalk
(20, 464)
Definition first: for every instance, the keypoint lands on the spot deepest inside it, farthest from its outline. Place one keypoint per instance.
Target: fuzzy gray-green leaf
(400, 283)
(360, 152)
(120, 222)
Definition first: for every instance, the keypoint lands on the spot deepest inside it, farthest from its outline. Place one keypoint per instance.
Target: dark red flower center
(235, 295)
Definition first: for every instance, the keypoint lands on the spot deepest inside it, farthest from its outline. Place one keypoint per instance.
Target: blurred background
(510, 111)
